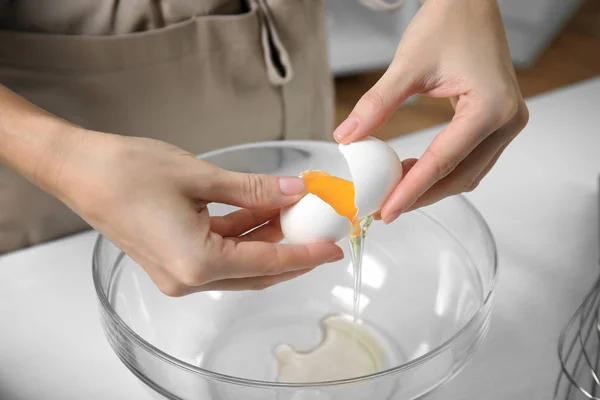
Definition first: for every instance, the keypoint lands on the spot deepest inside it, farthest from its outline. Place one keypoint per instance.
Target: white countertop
(541, 202)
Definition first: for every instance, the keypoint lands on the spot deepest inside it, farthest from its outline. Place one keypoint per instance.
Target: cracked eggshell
(312, 220)
(376, 170)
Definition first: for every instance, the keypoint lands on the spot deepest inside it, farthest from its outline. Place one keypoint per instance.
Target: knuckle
(189, 272)
(275, 260)
(373, 99)
(472, 185)
(255, 188)
(522, 117)
(506, 106)
(444, 165)
(191, 278)
(260, 285)
(171, 289)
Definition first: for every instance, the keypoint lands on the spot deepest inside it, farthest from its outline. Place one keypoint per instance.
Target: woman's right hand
(149, 198)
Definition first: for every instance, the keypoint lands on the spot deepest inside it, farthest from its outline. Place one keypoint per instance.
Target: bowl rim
(163, 356)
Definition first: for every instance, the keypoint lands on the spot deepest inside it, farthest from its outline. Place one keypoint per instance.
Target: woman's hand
(149, 198)
(455, 49)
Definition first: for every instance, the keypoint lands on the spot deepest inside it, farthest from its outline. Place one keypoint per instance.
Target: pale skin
(453, 49)
(149, 197)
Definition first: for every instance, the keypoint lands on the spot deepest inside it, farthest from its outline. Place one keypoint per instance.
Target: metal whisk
(579, 349)
(579, 352)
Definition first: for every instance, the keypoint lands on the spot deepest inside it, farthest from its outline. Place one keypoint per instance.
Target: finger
(468, 174)
(240, 221)
(518, 123)
(466, 131)
(243, 259)
(377, 105)
(269, 232)
(253, 191)
(489, 167)
(407, 164)
(254, 283)
(472, 170)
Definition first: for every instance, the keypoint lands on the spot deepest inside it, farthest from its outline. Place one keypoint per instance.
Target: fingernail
(346, 128)
(291, 186)
(392, 217)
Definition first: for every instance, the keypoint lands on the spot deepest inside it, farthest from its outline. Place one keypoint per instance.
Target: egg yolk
(337, 192)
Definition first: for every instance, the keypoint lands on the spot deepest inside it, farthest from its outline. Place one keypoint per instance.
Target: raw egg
(333, 204)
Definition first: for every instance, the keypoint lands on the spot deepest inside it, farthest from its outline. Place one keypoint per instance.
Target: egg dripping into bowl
(333, 207)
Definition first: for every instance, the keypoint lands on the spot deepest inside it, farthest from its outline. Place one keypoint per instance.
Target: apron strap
(277, 59)
(311, 78)
(382, 5)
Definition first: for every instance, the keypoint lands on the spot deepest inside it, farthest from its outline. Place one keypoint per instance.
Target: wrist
(81, 167)
(59, 161)
(33, 142)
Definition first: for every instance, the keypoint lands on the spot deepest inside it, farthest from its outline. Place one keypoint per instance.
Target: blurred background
(553, 43)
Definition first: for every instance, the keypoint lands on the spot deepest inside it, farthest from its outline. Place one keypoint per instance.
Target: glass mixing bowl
(427, 292)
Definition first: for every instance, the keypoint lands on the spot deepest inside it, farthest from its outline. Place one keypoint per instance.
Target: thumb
(377, 105)
(254, 191)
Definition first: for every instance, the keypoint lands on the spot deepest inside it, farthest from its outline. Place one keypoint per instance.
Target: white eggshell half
(311, 220)
(376, 170)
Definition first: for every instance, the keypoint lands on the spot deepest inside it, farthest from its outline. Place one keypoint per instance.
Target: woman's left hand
(454, 49)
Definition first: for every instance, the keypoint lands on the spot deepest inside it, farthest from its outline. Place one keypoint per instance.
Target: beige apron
(236, 71)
